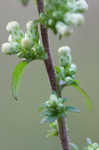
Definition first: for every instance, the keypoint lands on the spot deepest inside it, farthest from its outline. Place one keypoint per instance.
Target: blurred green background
(20, 127)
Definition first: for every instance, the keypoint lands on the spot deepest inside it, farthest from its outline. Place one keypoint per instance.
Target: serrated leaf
(16, 76)
(83, 92)
(72, 109)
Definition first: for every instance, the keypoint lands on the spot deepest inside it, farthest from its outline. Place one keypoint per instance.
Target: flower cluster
(61, 16)
(24, 45)
(65, 73)
(54, 108)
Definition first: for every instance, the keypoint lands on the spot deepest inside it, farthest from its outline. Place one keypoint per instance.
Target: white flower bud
(75, 19)
(64, 50)
(9, 48)
(12, 26)
(53, 97)
(82, 5)
(27, 43)
(63, 29)
(73, 68)
(68, 80)
(29, 25)
(61, 106)
(70, 4)
(50, 21)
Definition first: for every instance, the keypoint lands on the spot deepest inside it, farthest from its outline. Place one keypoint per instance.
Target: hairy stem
(52, 78)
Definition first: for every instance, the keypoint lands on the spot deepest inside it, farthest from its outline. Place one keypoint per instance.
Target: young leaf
(72, 109)
(17, 73)
(83, 92)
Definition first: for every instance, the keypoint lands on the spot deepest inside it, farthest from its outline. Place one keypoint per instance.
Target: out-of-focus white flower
(64, 50)
(9, 48)
(73, 68)
(50, 21)
(82, 5)
(12, 26)
(75, 19)
(53, 97)
(63, 29)
(68, 79)
(29, 25)
(70, 4)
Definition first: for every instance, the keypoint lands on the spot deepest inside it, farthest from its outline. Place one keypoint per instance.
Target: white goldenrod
(26, 43)
(75, 19)
(63, 29)
(29, 25)
(64, 50)
(9, 48)
(81, 5)
(12, 26)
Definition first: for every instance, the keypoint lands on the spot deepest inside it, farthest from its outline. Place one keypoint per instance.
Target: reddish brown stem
(52, 78)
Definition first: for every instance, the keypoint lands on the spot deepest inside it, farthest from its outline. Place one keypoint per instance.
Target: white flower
(5, 48)
(70, 4)
(82, 5)
(64, 50)
(50, 21)
(75, 19)
(73, 67)
(27, 43)
(68, 79)
(9, 48)
(12, 26)
(29, 25)
(63, 29)
(53, 97)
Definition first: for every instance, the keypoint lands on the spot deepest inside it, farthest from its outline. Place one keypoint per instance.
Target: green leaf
(17, 73)
(83, 92)
(52, 132)
(72, 109)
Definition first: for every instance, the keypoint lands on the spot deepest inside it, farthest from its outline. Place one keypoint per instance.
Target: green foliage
(16, 76)
(53, 129)
(54, 108)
